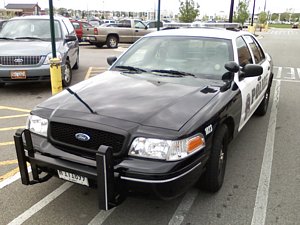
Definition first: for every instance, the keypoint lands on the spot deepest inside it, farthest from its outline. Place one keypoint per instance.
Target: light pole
(253, 13)
(158, 15)
(231, 11)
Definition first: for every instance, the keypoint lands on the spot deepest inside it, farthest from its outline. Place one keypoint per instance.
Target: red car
(79, 27)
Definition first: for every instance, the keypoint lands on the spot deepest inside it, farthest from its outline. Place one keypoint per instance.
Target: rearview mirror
(232, 67)
(110, 60)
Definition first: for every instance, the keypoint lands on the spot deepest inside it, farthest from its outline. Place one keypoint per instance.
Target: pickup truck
(127, 31)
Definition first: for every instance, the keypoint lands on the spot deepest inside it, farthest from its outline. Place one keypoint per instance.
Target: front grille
(63, 135)
(19, 60)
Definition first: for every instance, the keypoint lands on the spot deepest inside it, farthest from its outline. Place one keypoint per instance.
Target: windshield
(30, 28)
(199, 56)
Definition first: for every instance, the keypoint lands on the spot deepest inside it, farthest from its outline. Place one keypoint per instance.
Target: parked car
(25, 49)
(295, 25)
(153, 24)
(80, 27)
(95, 23)
(159, 120)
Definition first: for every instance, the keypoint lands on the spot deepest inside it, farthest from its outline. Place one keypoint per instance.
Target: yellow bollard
(55, 75)
(251, 29)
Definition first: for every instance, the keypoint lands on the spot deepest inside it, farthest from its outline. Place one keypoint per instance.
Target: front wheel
(67, 75)
(215, 169)
(112, 41)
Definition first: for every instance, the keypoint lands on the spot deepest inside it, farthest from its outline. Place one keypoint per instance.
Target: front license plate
(73, 177)
(19, 74)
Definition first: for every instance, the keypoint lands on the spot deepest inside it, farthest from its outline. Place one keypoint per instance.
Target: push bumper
(104, 173)
(113, 181)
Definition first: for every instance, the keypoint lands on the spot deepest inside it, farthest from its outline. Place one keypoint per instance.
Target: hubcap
(221, 161)
(112, 42)
(67, 76)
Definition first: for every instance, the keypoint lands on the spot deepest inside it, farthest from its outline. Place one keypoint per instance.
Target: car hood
(26, 47)
(145, 102)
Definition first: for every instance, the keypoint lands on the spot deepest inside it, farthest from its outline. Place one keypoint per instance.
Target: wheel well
(114, 35)
(230, 124)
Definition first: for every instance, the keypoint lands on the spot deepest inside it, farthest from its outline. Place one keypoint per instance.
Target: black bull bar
(110, 194)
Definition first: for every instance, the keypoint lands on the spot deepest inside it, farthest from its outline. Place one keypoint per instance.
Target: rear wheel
(67, 75)
(215, 169)
(112, 41)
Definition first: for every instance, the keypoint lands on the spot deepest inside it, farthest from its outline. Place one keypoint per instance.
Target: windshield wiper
(174, 72)
(131, 68)
(6, 38)
(33, 38)
(81, 100)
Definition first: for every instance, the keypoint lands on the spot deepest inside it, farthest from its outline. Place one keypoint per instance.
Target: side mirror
(70, 38)
(251, 70)
(110, 60)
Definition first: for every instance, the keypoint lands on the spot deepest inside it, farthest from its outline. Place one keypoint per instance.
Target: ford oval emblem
(82, 137)
(17, 60)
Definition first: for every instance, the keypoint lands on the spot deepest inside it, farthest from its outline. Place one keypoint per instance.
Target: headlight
(168, 150)
(49, 56)
(37, 125)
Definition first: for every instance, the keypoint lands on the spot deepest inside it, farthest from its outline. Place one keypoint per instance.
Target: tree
(274, 16)
(241, 14)
(263, 17)
(188, 11)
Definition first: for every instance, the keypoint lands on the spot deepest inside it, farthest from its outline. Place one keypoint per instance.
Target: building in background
(25, 9)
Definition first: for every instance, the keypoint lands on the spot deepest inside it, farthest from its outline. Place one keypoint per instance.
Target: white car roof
(200, 32)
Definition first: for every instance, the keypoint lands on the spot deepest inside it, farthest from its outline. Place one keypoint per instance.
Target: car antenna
(80, 99)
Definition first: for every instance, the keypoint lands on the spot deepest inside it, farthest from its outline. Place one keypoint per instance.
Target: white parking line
(101, 217)
(12, 179)
(184, 207)
(261, 202)
(41, 204)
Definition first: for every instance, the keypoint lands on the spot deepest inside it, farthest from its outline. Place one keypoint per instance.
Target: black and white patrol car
(160, 119)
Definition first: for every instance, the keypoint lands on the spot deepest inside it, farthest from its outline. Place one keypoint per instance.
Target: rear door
(252, 89)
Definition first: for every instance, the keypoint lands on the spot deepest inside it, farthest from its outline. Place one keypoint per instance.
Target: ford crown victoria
(158, 121)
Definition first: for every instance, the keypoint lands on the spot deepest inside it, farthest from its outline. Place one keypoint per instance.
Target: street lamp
(231, 11)
(158, 15)
(253, 13)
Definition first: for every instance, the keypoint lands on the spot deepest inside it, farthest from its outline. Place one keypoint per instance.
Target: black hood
(145, 102)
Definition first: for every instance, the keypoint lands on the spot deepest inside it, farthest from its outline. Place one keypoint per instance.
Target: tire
(76, 66)
(67, 75)
(99, 45)
(2, 85)
(112, 41)
(263, 106)
(215, 168)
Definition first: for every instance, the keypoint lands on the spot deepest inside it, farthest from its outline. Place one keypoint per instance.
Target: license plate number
(20, 74)
(73, 177)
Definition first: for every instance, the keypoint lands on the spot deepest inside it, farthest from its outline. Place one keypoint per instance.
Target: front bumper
(39, 73)
(113, 180)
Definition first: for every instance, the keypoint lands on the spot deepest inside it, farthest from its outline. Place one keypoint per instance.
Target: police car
(159, 120)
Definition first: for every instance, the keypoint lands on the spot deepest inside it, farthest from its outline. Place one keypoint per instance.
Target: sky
(207, 7)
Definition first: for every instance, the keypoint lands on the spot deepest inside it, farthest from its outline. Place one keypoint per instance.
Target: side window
(76, 25)
(256, 49)
(86, 25)
(139, 25)
(243, 52)
(125, 23)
